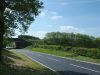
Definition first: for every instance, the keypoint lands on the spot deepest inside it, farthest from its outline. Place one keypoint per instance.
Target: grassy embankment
(65, 54)
(17, 64)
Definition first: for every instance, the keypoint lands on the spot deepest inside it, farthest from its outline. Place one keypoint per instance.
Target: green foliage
(88, 52)
(97, 42)
(79, 44)
(18, 64)
(79, 51)
(28, 37)
(71, 39)
(54, 47)
(65, 54)
(18, 14)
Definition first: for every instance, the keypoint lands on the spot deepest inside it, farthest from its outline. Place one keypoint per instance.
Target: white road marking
(40, 63)
(69, 58)
(40, 55)
(53, 59)
(36, 61)
(70, 64)
(85, 68)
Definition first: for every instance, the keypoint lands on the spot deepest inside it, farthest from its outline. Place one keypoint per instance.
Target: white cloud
(40, 34)
(46, 10)
(42, 14)
(53, 13)
(56, 17)
(78, 2)
(49, 25)
(63, 3)
(69, 29)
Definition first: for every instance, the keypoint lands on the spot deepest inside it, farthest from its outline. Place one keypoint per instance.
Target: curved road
(62, 65)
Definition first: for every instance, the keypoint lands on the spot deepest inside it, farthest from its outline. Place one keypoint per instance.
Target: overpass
(20, 43)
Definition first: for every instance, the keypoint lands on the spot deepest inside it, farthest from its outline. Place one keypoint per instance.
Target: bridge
(20, 43)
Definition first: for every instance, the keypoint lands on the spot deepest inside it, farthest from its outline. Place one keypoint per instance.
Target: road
(62, 65)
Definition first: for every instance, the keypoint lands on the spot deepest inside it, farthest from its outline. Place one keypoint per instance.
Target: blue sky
(77, 16)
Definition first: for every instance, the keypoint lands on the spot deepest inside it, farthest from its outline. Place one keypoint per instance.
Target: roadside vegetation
(65, 54)
(18, 64)
(87, 52)
(77, 46)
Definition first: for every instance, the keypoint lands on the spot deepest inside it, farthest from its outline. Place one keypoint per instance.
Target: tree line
(71, 39)
(64, 39)
(79, 44)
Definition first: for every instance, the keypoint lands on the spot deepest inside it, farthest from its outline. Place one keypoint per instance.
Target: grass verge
(18, 64)
(66, 54)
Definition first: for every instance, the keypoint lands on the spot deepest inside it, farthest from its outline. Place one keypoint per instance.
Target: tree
(28, 37)
(97, 42)
(17, 14)
(56, 38)
(71, 39)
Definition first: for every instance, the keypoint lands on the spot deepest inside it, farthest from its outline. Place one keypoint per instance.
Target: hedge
(88, 52)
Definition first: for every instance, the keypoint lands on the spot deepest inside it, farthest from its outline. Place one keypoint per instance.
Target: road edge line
(69, 58)
(38, 62)
(86, 68)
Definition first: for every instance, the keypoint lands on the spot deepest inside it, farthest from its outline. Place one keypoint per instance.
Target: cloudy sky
(77, 16)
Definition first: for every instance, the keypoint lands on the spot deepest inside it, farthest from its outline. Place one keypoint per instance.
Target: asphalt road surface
(62, 65)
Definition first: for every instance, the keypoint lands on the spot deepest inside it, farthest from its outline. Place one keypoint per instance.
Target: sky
(77, 16)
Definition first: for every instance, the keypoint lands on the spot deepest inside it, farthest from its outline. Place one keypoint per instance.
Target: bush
(55, 47)
(89, 52)
(67, 48)
(79, 51)
(94, 53)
